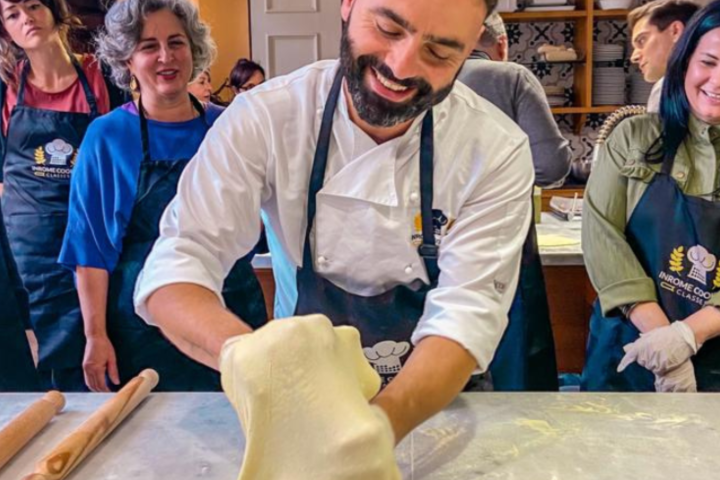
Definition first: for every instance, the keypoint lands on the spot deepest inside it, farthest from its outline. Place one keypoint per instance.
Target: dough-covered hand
(680, 379)
(301, 390)
(661, 350)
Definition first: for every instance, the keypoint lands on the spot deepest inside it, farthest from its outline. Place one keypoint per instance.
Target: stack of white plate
(608, 86)
(607, 52)
(555, 95)
(639, 89)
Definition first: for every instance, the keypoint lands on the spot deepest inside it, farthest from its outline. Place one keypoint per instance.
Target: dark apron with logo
(137, 344)
(17, 369)
(41, 149)
(386, 321)
(675, 238)
(525, 358)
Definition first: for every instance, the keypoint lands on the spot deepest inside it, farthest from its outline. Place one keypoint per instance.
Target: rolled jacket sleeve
(215, 217)
(614, 270)
(480, 258)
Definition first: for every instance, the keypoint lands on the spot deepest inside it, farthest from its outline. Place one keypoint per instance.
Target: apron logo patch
(441, 226)
(55, 160)
(386, 356)
(688, 274)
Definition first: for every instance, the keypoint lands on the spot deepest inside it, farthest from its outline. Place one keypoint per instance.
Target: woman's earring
(134, 86)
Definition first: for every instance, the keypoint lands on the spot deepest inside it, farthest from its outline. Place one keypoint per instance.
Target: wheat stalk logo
(40, 156)
(716, 282)
(676, 260)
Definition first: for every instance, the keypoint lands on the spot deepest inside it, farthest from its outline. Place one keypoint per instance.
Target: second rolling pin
(80, 443)
(25, 426)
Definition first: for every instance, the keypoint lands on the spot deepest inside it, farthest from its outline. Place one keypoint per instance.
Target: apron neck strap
(144, 133)
(89, 95)
(667, 164)
(428, 250)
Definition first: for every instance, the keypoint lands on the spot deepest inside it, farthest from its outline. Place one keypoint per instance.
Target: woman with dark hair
(245, 76)
(49, 97)
(127, 174)
(651, 233)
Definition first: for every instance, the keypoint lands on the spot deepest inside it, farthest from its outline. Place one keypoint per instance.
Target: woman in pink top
(49, 96)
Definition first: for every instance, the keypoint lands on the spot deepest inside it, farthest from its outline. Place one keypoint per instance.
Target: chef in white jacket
(385, 207)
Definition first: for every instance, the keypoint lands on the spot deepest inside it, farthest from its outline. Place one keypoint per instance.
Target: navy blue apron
(386, 321)
(138, 345)
(675, 238)
(41, 148)
(525, 357)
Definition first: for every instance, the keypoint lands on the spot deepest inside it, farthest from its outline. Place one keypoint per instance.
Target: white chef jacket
(653, 104)
(259, 155)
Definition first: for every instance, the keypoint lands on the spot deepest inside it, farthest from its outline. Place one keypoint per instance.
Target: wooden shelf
(567, 110)
(552, 16)
(618, 14)
(604, 108)
(576, 110)
(584, 19)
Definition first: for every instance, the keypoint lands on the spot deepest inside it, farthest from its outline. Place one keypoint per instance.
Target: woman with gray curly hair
(127, 173)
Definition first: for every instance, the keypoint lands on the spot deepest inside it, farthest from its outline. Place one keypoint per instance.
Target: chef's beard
(371, 107)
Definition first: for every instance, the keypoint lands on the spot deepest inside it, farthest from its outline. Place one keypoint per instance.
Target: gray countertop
(550, 256)
(523, 436)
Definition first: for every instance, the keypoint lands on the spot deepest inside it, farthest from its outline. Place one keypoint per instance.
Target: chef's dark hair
(674, 106)
(11, 54)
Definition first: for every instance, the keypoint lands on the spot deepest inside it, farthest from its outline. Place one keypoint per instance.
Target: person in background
(525, 359)
(655, 27)
(50, 96)
(127, 172)
(245, 76)
(650, 234)
(201, 87)
(493, 43)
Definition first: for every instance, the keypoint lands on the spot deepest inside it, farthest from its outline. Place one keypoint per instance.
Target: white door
(288, 34)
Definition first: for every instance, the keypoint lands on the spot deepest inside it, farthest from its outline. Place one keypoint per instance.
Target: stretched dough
(301, 390)
(556, 241)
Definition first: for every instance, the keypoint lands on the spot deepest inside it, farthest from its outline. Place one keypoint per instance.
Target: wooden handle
(80, 443)
(25, 426)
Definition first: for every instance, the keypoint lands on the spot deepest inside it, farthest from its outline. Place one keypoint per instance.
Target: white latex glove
(662, 349)
(680, 379)
(301, 390)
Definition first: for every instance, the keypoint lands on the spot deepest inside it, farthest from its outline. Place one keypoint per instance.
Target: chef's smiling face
(401, 57)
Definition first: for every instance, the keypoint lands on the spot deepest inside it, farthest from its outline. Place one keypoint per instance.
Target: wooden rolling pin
(25, 426)
(75, 447)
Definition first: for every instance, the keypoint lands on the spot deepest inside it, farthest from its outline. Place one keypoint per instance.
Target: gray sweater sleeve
(550, 150)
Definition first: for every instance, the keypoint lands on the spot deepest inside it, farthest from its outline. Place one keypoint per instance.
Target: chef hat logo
(59, 151)
(702, 261)
(385, 356)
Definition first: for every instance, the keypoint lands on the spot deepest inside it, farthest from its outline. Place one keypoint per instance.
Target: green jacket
(618, 181)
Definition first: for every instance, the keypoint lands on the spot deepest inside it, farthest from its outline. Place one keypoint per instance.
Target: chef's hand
(100, 358)
(662, 349)
(680, 379)
(301, 389)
